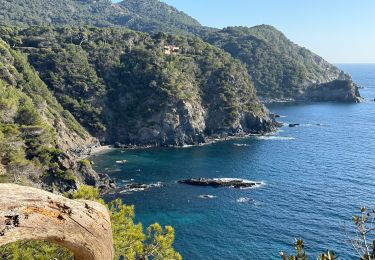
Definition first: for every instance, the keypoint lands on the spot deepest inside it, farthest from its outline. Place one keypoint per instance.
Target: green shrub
(27, 115)
(129, 240)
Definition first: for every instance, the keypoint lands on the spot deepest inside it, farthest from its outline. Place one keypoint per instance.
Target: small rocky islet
(222, 182)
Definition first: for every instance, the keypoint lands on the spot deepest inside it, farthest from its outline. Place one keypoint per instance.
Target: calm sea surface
(316, 176)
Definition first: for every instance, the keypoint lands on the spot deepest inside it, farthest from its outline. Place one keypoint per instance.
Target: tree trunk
(83, 227)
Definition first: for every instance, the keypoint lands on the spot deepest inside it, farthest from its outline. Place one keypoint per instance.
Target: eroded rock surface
(27, 213)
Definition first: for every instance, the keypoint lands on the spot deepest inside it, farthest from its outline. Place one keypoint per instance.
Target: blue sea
(315, 177)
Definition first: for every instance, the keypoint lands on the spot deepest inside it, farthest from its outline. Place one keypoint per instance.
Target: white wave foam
(132, 190)
(244, 200)
(257, 184)
(232, 179)
(207, 196)
(128, 188)
(241, 145)
(275, 138)
(121, 161)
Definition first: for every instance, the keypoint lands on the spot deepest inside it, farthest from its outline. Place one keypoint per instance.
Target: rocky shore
(344, 90)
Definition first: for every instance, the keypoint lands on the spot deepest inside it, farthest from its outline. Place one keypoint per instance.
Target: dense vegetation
(278, 67)
(122, 87)
(155, 16)
(56, 83)
(30, 142)
(130, 240)
(144, 15)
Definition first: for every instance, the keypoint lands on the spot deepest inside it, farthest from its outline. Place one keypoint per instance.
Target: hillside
(280, 69)
(123, 87)
(39, 140)
(150, 16)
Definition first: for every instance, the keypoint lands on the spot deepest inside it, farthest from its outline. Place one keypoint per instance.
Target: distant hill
(154, 16)
(143, 15)
(279, 68)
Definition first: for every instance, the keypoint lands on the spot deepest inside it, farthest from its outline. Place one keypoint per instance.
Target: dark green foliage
(130, 242)
(69, 74)
(27, 115)
(115, 81)
(144, 15)
(34, 250)
(28, 142)
(278, 67)
(154, 16)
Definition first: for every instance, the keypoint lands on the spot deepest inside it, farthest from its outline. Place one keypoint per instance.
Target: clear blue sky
(341, 31)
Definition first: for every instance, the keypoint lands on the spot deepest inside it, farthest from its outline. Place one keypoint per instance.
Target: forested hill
(154, 16)
(150, 16)
(123, 86)
(280, 69)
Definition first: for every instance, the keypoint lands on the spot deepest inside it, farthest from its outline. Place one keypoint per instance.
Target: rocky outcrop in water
(222, 182)
(337, 91)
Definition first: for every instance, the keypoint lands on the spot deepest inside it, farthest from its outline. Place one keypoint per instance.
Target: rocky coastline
(345, 91)
(206, 140)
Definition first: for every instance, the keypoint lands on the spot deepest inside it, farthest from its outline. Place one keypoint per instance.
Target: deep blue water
(316, 177)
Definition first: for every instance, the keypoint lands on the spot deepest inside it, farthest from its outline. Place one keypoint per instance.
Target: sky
(341, 31)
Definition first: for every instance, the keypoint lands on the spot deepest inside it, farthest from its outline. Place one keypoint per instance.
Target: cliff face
(280, 69)
(39, 140)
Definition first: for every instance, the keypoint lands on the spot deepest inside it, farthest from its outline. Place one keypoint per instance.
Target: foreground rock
(83, 227)
(222, 182)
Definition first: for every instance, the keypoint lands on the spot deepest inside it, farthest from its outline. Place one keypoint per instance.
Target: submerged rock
(222, 182)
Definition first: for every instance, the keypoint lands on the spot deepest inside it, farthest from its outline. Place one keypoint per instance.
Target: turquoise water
(315, 177)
